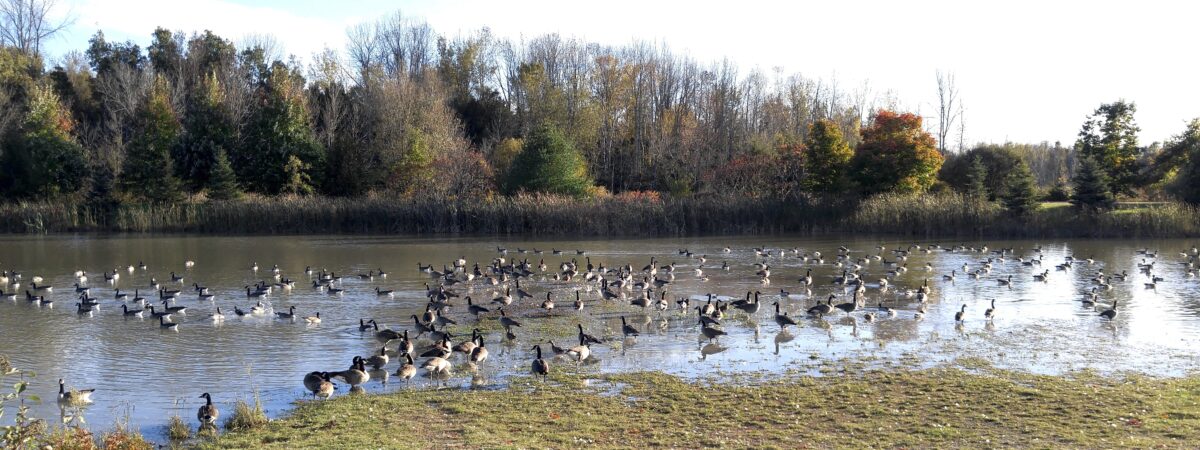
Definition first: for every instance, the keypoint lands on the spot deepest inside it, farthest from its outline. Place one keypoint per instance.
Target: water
(147, 374)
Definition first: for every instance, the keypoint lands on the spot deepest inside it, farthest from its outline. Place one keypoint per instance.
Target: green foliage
(207, 131)
(997, 160)
(148, 174)
(977, 179)
(1091, 191)
(43, 160)
(1020, 192)
(222, 184)
(296, 179)
(549, 163)
(1183, 152)
(1061, 192)
(1109, 137)
(828, 157)
(277, 132)
(896, 155)
(411, 172)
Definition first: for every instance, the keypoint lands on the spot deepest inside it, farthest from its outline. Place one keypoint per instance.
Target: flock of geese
(618, 287)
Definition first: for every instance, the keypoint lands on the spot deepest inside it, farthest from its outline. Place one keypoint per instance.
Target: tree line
(410, 112)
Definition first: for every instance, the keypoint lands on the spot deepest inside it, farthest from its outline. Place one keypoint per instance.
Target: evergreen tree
(148, 174)
(977, 179)
(222, 183)
(277, 131)
(1020, 192)
(207, 129)
(549, 163)
(828, 157)
(1110, 138)
(296, 180)
(1091, 187)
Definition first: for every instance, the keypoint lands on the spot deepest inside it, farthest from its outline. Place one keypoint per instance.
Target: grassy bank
(936, 408)
(927, 216)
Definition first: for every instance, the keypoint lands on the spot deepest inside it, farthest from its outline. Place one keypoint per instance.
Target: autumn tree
(148, 173)
(549, 163)
(1183, 151)
(43, 159)
(997, 160)
(896, 154)
(1109, 137)
(828, 157)
(1091, 189)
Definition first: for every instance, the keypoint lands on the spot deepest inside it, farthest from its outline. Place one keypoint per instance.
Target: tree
(997, 160)
(1020, 192)
(148, 173)
(977, 179)
(549, 163)
(278, 130)
(1091, 191)
(43, 159)
(207, 131)
(1109, 137)
(26, 24)
(296, 178)
(896, 155)
(1183, 151)
(947, 114)
(222, 183)
(828, 157)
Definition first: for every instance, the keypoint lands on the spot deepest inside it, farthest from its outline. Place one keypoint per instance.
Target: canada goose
(466, 347)
(581, 351)
(991, 312)
(480, 353)
(407, 370)
(387, 334)
(584, 337)
(548, 304)
(173, 309)
(357, 373)
(1110, 313)
(441, 349)
(850, 306)
(382, 293)
(578, 302)
(437, 366)
(364, 326)
(216, 317)
(208, 412)
(474, 309)
(291, 314)
(159, 315)
(1042, 276)
(1005, 281)
(628, 330)
(254, 294)
(162, 323)
(73, 397)
(131, 312)
(319, 384)
(709, 332)
(504, 300)
(406, 345)
(539, 366)
(378, 361)
(958, 316)
(506, 321)
(258, 309)
(782, 319)
(556, 349)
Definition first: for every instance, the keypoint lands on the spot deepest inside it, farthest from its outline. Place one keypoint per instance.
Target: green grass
(935, 408)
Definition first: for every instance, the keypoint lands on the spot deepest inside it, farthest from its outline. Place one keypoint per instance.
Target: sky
(1027, 71)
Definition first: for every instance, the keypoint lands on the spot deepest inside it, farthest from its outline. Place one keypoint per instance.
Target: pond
(146, 373)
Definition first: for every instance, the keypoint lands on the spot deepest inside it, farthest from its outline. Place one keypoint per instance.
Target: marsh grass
(177, 429)
(947, 214)
(933, 408)
(247, 416)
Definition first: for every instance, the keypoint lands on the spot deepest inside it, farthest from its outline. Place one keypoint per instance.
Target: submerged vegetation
(941, 408)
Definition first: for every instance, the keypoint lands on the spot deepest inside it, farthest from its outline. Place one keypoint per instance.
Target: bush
(549, 163)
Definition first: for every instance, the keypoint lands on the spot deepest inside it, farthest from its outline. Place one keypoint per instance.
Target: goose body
(208, 413)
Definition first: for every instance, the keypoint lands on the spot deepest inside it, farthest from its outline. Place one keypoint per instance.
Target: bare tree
(947, 114)
(25, 24)
(962, 127)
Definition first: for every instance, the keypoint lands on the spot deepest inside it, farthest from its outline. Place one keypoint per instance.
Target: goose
(556, 349)
(506, 321)
(474, 309)
(953, 274)
(73, 397)
(539, 366)
(869, 317)
(1110, 313)
(387, 334)
(406, 345)
(578, 302)
(407, 371)
(364, 326)
(548, 304)
(173, 309)
(383, 293)
(162, 323)
(850, 306)
(176, 278)
(710, 332)
(356, 375)
(159, 315)
(130, 312)
(313, 319)
(991, 312)
(441, 349)
(81, 289)
(254, 294)
(958, 316)
(706, 319)
(683, 303)
(8, 295)
(505, 299)
(80, 308)
(1005, 281)
(319, 384)
(378, 361)
(584, 337)
(291, 314)
(581, 351)
(437, 366)
(628, 330)
(466, 347)
(258, 309)
(215, 317)
(480, 353)
(782, 319)
(438, 335)
(208, 412)
(822, 309)
(1042, 276)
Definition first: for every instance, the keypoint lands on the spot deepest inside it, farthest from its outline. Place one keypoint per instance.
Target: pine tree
(222, 183)
(277, 131)
(1091, 187)
(148, 173)
(206, 129)
(549, 163)
(1020, 192)
(977, 179)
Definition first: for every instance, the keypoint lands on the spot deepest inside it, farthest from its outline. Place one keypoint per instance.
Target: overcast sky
(1028, 71)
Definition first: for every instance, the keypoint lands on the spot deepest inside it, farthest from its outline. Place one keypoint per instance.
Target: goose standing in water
(407, 371)
(958, 316)
(991, 312)
(356, 375)
(628, 330)
(318, 384)
(539, 366)
(208, 412)
(782, 319)
(1110, 313)
(480, 353)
